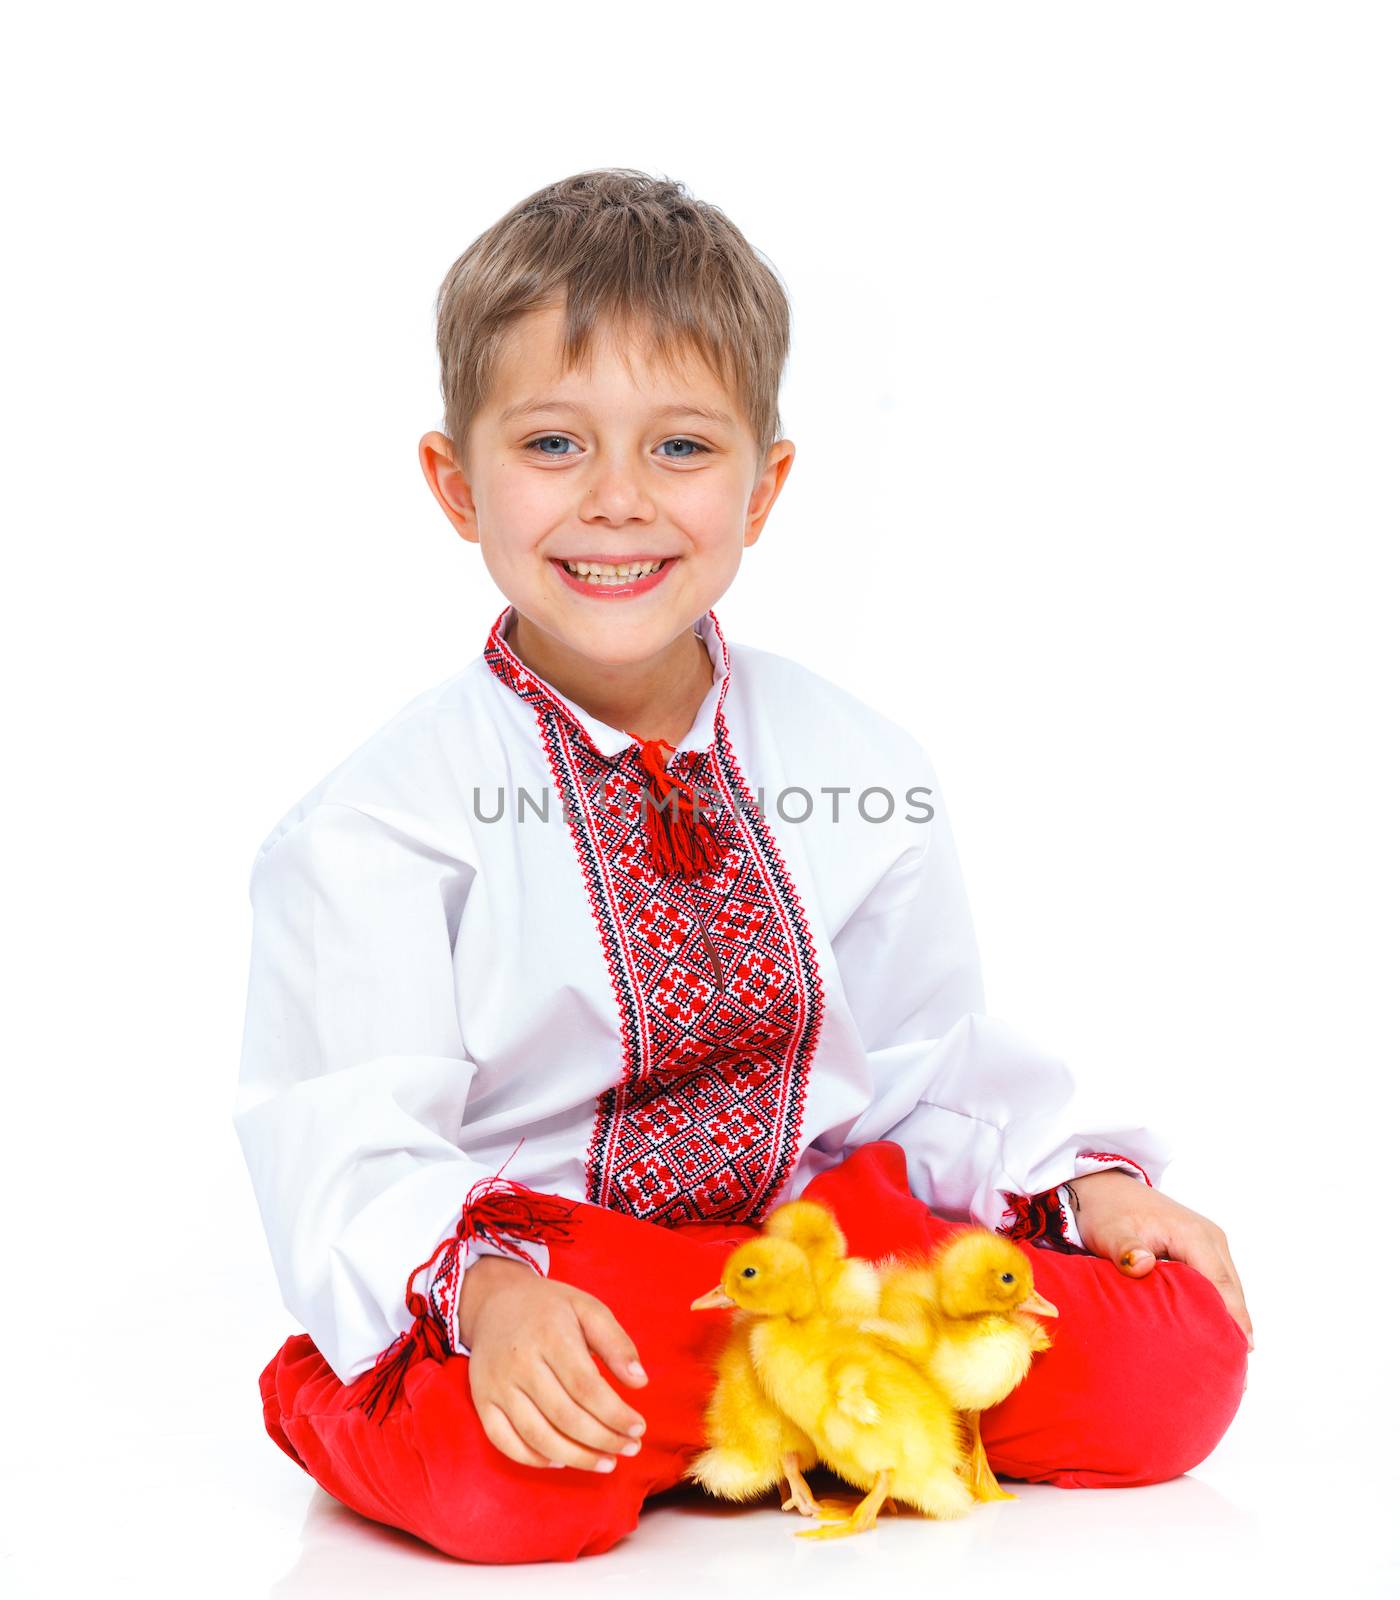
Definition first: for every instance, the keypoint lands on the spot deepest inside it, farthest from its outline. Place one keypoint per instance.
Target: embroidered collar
(605, 739)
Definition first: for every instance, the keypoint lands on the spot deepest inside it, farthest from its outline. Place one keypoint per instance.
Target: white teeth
(604, 573)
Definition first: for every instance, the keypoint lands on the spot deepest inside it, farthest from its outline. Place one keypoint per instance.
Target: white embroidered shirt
(463, 964)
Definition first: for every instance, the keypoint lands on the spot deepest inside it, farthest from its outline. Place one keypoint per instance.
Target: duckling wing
(884, 1416)
(850, 1392)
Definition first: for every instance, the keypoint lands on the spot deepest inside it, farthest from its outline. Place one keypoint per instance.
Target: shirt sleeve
(991, 1124)
(354, 1079)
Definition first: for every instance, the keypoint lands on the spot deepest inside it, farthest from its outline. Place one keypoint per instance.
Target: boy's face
(612, 465)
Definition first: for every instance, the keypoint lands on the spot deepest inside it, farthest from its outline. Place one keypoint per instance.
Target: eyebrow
(673, 409)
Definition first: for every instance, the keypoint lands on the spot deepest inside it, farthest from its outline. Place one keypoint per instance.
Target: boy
(541, 918)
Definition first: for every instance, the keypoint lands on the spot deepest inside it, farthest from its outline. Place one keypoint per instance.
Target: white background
(1094, 393)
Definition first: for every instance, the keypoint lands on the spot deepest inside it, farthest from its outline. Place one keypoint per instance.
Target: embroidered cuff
(445, 1296)
(498, 1213)
(1071, 1222)
(1088, 1161)
(1049, 1216)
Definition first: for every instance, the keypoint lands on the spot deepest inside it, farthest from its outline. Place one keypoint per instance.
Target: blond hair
(621, 250)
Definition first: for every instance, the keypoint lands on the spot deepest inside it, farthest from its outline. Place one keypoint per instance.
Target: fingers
(601, 1332)
(1231, 1293)
(1205, 1249)
(578, 1402)
(1134, 1229)
(502, 1433)
(546, 1403)
(549, 1445)
(1133, 1257)
(606, 1335)
(1235, 1298)
(534, 1423)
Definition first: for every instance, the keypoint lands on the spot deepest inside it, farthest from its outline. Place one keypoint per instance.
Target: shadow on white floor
(1167, 1538)
(704, 1547)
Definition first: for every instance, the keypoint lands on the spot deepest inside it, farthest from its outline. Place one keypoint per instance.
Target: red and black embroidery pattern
(1111, 1158)
(716, 979)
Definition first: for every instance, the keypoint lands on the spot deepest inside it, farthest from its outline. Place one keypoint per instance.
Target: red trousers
(1143, 1378)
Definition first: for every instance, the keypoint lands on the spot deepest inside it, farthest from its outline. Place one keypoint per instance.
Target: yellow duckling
(965, 1317)
(873, 1416)
(847, 1286)
(753, 1443)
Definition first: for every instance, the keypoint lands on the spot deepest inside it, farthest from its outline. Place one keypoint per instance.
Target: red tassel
(503, 1214)
(385, 1378)
(1039, 1219)
(1034, 1216)
(680, 841)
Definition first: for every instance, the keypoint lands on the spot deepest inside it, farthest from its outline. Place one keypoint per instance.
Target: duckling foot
(842, 1506)
(981, 1480)
(862, 1519)
(801, 1495)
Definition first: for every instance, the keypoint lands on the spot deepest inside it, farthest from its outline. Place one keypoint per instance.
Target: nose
(615, 492)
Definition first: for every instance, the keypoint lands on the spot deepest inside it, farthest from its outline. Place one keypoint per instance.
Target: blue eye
(548, 438)
(693, 448)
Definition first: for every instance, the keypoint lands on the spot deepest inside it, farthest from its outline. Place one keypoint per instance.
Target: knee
(463, 1496)
(1194, 1381)
(272, 1410)
(428, 1469)
(1145, 1395)
(1188, 1380)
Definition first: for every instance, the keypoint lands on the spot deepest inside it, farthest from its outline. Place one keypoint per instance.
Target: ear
(449, 484)
(767, 487)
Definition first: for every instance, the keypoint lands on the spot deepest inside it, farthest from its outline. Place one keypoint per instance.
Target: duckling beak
(716, 1297)
(1038, 1302)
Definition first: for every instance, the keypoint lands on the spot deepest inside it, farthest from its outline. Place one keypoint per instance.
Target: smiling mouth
(613, 575)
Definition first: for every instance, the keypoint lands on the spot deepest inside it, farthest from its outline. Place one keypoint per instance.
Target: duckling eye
(1008, 1277)
(749, 1272)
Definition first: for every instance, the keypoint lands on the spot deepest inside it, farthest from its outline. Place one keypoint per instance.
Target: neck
(655, 699)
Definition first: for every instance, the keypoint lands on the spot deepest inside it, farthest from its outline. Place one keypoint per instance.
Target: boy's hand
(541, 1399)
(1127, 1223)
